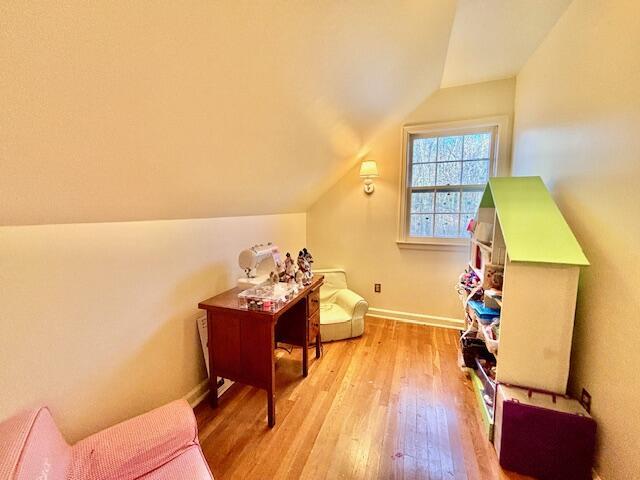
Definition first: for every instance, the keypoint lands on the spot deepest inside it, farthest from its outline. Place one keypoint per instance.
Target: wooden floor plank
(392, 404)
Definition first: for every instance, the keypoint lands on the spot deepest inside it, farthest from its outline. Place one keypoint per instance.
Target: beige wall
(578, 125)
(98, 320)
(120, 110)
(350, 229)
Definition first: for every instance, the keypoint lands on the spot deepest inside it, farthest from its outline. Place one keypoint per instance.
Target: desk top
(229, 300)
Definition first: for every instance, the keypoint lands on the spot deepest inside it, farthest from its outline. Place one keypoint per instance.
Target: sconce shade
(368, 169)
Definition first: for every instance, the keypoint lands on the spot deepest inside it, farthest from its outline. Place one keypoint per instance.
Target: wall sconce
(368, 170)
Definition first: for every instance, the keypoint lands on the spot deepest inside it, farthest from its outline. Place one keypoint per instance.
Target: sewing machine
(258, 262)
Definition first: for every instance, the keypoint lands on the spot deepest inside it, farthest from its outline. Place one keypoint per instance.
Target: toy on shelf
(493, 298)
(480, 337)
(468, 281)
(493, 276)
(469, 286)
(483, 232)
(482, 313)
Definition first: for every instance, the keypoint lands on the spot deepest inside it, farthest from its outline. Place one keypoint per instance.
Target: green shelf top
(534, 230)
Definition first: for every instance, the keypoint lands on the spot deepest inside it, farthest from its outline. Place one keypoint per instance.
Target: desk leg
(213, 378)
(318, 344)
(305, 359)
(271, 407)
(213, 390)
(271, 378)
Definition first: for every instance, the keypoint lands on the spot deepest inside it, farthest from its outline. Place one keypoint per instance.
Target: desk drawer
(314, 301)
(314, 325)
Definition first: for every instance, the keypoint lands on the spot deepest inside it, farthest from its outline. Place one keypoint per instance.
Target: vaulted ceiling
(116, 111)
(492, 39)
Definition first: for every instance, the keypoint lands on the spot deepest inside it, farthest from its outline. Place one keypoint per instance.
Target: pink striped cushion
(189, 465)
(31, 447)
(138, 446)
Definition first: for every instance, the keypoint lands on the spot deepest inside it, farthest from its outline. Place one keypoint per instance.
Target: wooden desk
(241, 342)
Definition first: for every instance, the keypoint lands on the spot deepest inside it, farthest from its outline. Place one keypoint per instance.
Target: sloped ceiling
(492, 39)
(114, 111)
(145, 110)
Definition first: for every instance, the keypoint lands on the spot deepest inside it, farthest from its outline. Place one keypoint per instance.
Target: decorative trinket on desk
(288, 274)
(305, 266)
(307, 255)
(280, 269)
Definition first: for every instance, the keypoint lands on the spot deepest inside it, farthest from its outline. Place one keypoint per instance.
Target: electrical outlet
(377, 287)
(585, 400)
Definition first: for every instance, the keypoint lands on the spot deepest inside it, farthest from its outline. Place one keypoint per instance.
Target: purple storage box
(544, 435)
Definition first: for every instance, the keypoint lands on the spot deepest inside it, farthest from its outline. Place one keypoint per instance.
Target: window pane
(475, 173)
(449, 173)
(477, 146)
(422, 202)
(449, 148)
(447, 202)
(464, 222)
(424, 150)
(446, 225)
(423, 175)
(421, 226)
(470, 202)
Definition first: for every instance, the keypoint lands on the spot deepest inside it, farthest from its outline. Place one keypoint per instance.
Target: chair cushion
(190, 464)
(31, 446)
(137, 446)
(331, 313)
(335, 323)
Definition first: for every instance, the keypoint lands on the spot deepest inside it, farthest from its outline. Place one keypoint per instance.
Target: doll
(307, 255)
(305, 267)
(290, 268)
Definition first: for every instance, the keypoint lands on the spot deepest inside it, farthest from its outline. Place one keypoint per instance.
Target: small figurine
(280, 268)
(309, 258)
(274, 277)
(305, 267)
(288, 275)
(307, 255)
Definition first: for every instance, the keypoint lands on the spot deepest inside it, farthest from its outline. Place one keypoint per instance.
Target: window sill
(434, 244)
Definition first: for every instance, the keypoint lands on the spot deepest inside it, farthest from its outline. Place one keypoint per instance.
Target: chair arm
(135, 447)
(352, 303)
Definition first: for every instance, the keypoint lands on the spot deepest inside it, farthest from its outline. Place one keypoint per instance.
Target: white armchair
(342, 311)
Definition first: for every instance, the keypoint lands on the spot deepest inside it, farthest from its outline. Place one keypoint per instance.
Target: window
(445, 172)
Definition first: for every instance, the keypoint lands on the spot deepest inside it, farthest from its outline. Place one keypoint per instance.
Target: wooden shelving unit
(541, 259)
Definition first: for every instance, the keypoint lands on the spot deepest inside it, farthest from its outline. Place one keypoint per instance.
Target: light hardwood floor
(390, 405)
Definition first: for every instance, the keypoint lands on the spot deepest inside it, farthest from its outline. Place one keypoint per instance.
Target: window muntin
(446, 175)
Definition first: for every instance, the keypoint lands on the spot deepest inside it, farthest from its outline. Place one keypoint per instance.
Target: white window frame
(498, 166)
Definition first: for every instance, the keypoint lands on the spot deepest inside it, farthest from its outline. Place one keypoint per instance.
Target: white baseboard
(419, 318)
(200, 392)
